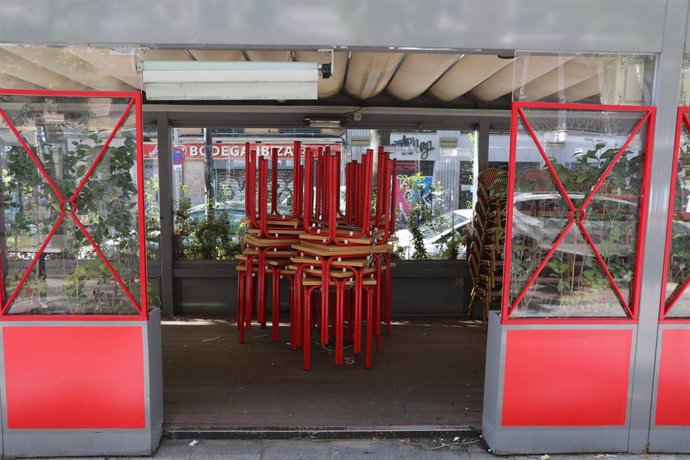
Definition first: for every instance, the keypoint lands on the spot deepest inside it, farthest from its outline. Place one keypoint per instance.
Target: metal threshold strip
(347, 432)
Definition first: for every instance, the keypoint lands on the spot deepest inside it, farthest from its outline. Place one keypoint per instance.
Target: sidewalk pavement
(369, 449)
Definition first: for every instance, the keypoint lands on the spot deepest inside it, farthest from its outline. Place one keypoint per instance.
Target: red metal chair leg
(377, 315)
(350, 313)
(324, 302)
(389, 295)
(298, 305)
(249, 294)
(241, 282)
(339, 320)
(306, 329)
(261, 304)
(275, 311)
(357, 342)
(368, 360)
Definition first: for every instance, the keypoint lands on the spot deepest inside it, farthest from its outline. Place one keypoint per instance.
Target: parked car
(233, 209)
(611, 222)
(437, 234)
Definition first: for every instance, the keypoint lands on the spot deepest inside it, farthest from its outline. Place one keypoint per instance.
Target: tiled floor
(430, 371)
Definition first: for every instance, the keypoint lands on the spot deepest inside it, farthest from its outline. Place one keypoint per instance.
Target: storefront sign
(230, 151)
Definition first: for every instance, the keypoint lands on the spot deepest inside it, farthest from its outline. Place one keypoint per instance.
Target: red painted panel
(673, 391)
(74, 377)
(566, 377)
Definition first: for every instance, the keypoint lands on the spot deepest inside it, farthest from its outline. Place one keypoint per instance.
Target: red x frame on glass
(68, 207)
(576, 214)
(670, 300)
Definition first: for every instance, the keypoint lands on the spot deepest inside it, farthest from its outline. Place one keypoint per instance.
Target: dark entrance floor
(430, 371)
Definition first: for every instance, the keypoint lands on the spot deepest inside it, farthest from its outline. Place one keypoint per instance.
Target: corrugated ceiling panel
(418, 72)
(369, 73)
(467, 73)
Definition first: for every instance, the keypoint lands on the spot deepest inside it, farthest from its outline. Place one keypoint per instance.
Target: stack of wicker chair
(486, 242)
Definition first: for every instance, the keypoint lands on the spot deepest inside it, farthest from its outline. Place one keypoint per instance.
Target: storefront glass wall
(435, 189)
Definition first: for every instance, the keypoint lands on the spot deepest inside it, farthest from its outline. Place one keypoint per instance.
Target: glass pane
(151, 193)
(681, 308)
(112, 223)
(613, 216)
(68, 279)
(580, 146)
(66, 136)
(152, 206)
(436, 185)
(596, 79)
(210, 188)
(678, 268)
(572, 285)
(685, 83)
(540, 214)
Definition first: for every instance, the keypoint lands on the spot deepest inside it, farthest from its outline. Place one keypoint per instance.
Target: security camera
(326, 71)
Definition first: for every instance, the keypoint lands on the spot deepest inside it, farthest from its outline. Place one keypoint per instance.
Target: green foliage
(421, 212)
(679, 258)
(452, 249)
(210, 238)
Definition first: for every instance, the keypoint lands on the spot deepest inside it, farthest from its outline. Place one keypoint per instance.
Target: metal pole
(165, 169)
(666, 96)
(483, 144)
(208, 172)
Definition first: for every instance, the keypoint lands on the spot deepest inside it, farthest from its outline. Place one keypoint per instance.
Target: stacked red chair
(267, 248)
(337, 242)
(345, 246)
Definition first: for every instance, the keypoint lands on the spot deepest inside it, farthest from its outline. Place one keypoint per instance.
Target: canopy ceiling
(404, 79)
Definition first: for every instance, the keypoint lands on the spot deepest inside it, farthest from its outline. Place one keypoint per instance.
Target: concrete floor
(356, 449)
(430, 371)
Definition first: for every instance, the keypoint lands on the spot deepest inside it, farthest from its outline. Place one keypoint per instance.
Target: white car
(539, 218)
(436, 236)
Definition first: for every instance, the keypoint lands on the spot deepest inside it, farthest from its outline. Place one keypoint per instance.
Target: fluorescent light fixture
(323, 122)
(203, 80)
